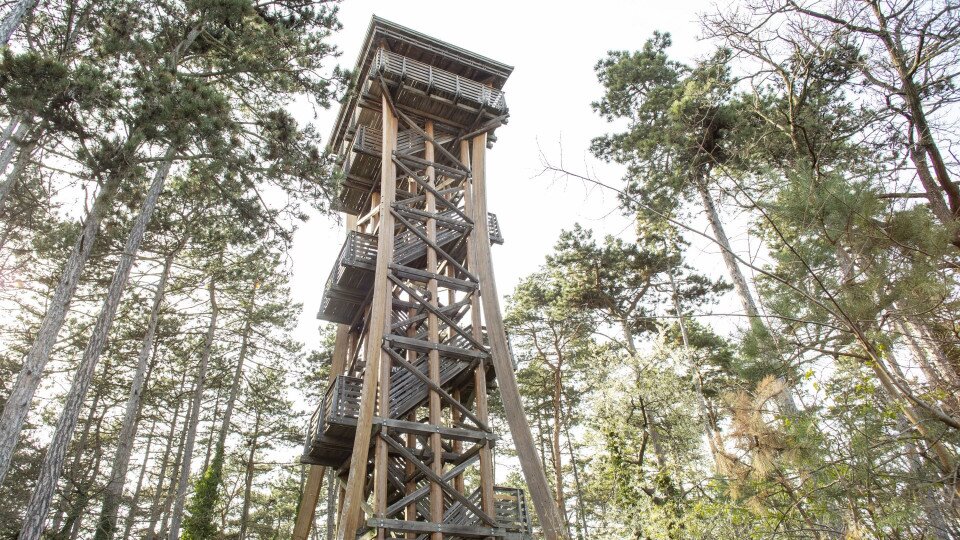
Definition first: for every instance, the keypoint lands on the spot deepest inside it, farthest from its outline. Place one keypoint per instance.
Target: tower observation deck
(403, 428)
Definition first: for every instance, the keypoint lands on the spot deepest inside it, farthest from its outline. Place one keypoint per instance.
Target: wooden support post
(433, 334)
(487, 472)
(308, 503)
(311, 491)
(550, 519)
(379, 322)
(410, 512)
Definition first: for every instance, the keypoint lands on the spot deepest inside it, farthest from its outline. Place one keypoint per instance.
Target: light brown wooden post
(379, 313)
(433, 334)
(487, 472)
(311, 491)
(553, 527)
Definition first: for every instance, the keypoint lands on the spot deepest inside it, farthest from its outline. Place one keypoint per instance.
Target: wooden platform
(423, 91)
(348, 286)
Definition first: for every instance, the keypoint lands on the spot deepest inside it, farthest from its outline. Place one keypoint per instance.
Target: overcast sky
(553, 47)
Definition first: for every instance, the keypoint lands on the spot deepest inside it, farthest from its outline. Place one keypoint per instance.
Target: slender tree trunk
(114, 490)
(18, 404)
(581, 510)
(12, 21)
(784, 398)
(36, 510)
(238, 372)
(135, 501)
(213, 433)
(177, 479)
(248, 478)
(177, 516)
(69, 506)
(918, 114)
(695, 373)
(23, 159)
(158, 496)
(8, 131)
(555, 446)
(6, 156)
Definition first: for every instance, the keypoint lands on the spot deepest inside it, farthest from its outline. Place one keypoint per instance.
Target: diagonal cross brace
(433, 477)
(465, 462)
(433, 245)
(438, 312)
(436, 194)
(436, 388)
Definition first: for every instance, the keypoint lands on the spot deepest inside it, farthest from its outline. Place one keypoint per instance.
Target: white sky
(553, 47)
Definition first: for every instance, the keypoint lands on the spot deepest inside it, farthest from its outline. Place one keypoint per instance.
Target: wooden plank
(441, 529)
(487, 473)
(433, 245)
(445, 432)
(550, 518)
(433, 334)
(427, 346)
(379, 320)
(430, 305)
(431, 190)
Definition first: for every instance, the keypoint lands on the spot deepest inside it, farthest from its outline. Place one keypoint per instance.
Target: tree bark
(248, 478)
(177, 479)
(36, 510)
(13, 19)
(135, 501)
(176, 518)
(158, 496)
(18, 404)
(6, 185)
(556, 450)
(114, 490)
(695, 373)
(785, 398)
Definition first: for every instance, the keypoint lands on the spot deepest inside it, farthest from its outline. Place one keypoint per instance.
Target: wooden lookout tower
(403, 427)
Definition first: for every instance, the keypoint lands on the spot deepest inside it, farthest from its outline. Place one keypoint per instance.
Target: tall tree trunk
(8, 131)
(12, 21)
(555, 445)
(158, 496)
(785, 398)
(36, 510)
(18, 403)
(238, 372)
(118, 473)
(68, 506)
(6, 156)
(177, 479)
(177, 515)
(248, 478)
(23, 159)
(135, 501)
(581, 510)
(705, 418)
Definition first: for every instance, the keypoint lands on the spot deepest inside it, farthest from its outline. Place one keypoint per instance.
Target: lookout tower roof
(384, 34)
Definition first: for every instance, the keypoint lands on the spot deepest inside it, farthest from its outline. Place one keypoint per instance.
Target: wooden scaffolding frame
(421, 334)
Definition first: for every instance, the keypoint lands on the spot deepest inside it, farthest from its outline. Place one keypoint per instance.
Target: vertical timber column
(379, 320)
(311, 490)
(487, 472)
(433, 334)
(553, 524)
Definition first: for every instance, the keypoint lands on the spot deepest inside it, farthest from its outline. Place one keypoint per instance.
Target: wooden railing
(432, 80)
